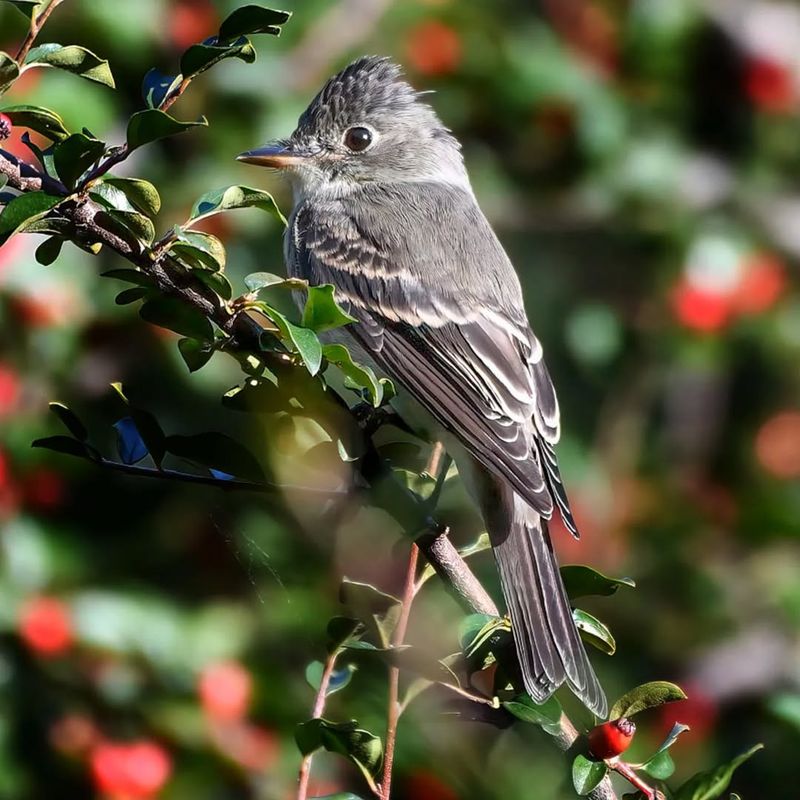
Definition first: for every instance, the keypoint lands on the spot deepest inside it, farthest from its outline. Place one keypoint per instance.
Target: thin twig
(393, 711)
(316, 713)
(168, 101)
(37, 23)
(623, 769)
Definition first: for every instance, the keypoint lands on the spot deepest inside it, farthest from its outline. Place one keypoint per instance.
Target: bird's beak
(277, 156)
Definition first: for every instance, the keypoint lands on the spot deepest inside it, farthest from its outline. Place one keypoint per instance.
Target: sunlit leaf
(231, 197)
(301, 340)
(198, 249)
(648, 695)
(141, 194)
(546, 715)
(23, 210)
(361, 375)
(151, 124)
(594, 632)
(587, 774)
(322, 312)
(72, 58)
(36, 118)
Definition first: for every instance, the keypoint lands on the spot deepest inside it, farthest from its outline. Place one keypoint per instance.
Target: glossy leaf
(36, 118)
(322, 312)
(151, 124)
(200, 57)
(157, 87)
(231, 197)
(72, 58)
(49, 250)
(587, 774)
(196, 354)
(9, 70)
(256, 281)
(648, 695)
(217, 451)
(362, 376)
(594, 632)
(712, 783)
(478, 631)
(138, 224)
(70, 421)
(303, 341)
(130, 445)
(74, 155)
(24, 210)
(659, 766)
(141, 194)
(198, 249)
(582, 581)
(546, 715)
(177, 316)
(252, 19)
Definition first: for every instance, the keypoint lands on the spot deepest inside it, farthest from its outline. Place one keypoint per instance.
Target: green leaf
(711, 784)
(363, 748)
(151, 124)
(648, 695)
(478, 634)
(546, 715)
(341, 630)
(74, 155)
(147, 426)
(138, 225)
(176, 316)
(302, 340)
(252, 19)
(67, 445)
(9, 70)
(594, 632)
(322, 312)
(27, 7)
(215, 281)
(231, 197)
(338, 680)
(157, 87)
(659, 766)
(217, 451)
(134, 276)
(377, 610)
(48, 251)
(256, 281)
(22, 211)
(198, 249)
(72, 58)
(196, 354)
(128, 296)
(200, 57)
(36, 118)
(581, 581)
(586, 774)
(141, 194)
(70, 421)
(361, 375)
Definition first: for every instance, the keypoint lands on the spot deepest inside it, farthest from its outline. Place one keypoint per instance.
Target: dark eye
(358, 139)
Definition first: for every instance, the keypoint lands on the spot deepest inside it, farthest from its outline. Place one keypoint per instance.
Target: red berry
(225, 689)
(5, 127)
(611, 738)
(45, 626)
(131, 771)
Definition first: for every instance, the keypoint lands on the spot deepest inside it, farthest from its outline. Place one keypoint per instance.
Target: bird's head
(366, 125)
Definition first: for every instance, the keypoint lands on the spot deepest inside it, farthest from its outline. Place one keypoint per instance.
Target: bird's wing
(467, 355)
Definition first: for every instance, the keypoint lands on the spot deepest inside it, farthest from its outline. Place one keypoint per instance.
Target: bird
(383, 210)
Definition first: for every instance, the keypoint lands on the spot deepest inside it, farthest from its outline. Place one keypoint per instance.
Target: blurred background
(640, 161)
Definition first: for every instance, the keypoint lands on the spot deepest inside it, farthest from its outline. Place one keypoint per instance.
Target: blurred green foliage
(637, 160)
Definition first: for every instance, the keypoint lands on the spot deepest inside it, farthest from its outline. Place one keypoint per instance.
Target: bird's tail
(548, 645)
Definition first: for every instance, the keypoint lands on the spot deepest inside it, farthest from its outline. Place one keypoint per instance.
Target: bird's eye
(358, 139)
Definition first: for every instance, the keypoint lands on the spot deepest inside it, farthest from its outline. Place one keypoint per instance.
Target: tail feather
(548, 643)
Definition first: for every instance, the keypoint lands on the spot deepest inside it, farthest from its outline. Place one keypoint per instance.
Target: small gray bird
(384, 211)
